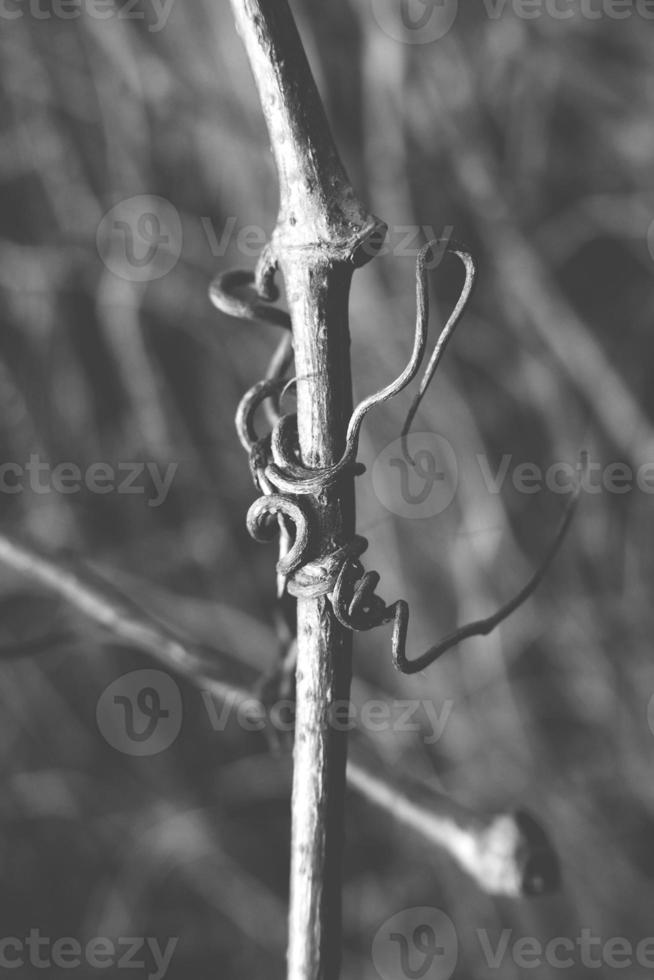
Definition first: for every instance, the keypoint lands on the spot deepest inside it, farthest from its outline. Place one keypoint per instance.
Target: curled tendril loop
(247, 296)
(234, 293)
(287, 473)
(261, 525)
(355, 602)
(246, 411)
(278, 472)
(357, 607)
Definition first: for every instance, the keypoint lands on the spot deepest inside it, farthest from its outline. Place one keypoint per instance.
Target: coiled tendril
(282, 478)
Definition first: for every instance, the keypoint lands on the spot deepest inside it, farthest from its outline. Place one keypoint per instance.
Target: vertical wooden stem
(324, 647)
(323, 233)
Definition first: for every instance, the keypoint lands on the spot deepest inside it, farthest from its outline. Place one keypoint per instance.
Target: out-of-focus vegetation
(534, 141)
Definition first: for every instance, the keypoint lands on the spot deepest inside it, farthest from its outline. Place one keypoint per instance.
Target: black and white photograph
(326, 489)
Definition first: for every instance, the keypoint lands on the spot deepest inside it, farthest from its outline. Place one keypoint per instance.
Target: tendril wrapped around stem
(282, 478)
(287, 473)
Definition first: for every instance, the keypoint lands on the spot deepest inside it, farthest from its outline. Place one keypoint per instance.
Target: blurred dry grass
(534, 141)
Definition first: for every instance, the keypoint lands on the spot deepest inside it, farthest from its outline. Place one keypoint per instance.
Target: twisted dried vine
(282, 478)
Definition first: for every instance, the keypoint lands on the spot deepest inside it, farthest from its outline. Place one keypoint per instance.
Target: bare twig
(505, 854)
(98, 602)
